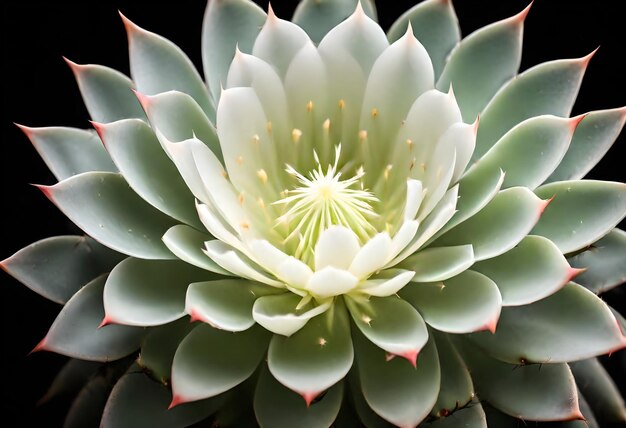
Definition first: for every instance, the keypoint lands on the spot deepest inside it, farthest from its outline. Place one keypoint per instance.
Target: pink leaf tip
(411, 356)
(544, 204)
(41, 346)
(176, 400)
(309, 397)
(105, 321)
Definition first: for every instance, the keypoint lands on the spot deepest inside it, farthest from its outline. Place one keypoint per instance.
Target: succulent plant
(385, 228)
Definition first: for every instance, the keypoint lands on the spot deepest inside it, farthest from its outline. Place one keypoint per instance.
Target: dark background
(38, 89)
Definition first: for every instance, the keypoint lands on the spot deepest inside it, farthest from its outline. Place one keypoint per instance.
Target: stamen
(342, 104)
(374, 113)
(240, 160)
(262, 175)
(309, 106)
(296, 134)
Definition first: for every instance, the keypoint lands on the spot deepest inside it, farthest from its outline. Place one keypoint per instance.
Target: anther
(262, 175)
(374, 112)
(295, 135)
(240, 160)
(269, 128)
(256, 139)
(342, 104)
(326, 125)
(362, 135)
(309, 106)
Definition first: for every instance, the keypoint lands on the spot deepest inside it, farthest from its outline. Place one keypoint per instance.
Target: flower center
(321, 200)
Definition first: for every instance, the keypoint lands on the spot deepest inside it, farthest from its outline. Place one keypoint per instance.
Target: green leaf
(462, 304)
(159, 346)
(318, 17)
(149, 52)
(581, 213)
(538, 392)
(105, 207)
(137, 401)
(316, 357)
(499, 226)
(225, 304)
(227, 24)
(600, 391)
(548, 88)
(435, 25)
(395, 390)
(75, 331)
(530, 151)
(200, 372)
(107, 93)
(149, 292)
(580, 326)
(276, 406)
(482, 62)
(604, 263)
(86, 409)
(472, 416)
(138, 154)
(70, 379)
(391, 324)
(366, 415)
(59, 266)
(439, 263)
(594, 136)
(187, 243)
(531, 271)
(69, 151)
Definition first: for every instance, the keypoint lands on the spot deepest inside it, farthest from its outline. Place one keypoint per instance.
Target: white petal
(216, 227)
(414, 195)
(286, 323)
(266, 254)
(331, 281)
(294, 272)
(336, 247)
(229, 259)
(372, 256)
(464, 137)
(438, 179)
(388, 283)
(403, 236)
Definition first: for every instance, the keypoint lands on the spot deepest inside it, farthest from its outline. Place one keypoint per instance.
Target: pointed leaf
(472, 416)
(105, 207)
(138, 154)
(148, 292)
(594, 136)
(581, 326)
(75, 331)
(531, 271)
(316, 357)
(69, 151)
(462, 304)
(159, 346)
(366, 415)
(319, 17)
(482, 62)
(435, 25)
(278, 406)
(499, 226)
(107, 93)
(604, 263)
(186, 243)
(536, 392)
(548, 88)
(58, 267)
(437, 264)
(200, 372)
(86, 409)
(394, 389)
(72, 377)
(581, 213)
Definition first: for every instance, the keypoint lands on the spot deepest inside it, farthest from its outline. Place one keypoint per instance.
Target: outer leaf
(600, 391)
(200, 372)
(535, 392)
(137, 401)
(138, 154)
(435, 25)
(102, 204)
(394, 389)
(318, 17)
(148, 292)
(438, 264)
(367, 416)
(58, 267)
(391, 324)
(548, 88)
(468, 302)
(227, 24)
(316, 357)
(581, 213)
(595, 134)
(186, 243)
(581, 326)
(499, 226)
(531, 271)
(69, 151)
(604, 263)
(75, 331)
(277, 406)
(107, 93)
(86, 409)
(71, 379)
(482, 62)
(472, 416)
(150, 52)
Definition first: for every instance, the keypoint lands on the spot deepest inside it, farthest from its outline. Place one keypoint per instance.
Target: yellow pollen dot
(387, 171)
(240, 198)
(261, 202)
(309, 106)
(262, 175)
(326, 125)
(423, 166)
(367, 320)
(362, 135)
(442, 286)
(374, 112)
(269, 127)
(412, 164)
(342, 104)
(245, 225)
(322, 341)
(240, 160)
(224, 174)
(256, 139)
(296, 134)
(409, 143)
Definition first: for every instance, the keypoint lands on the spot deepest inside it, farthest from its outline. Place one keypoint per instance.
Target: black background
(38, 89)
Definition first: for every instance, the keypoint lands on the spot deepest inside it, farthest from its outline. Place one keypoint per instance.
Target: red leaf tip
(521, 17)
(573, 273)
(195, 316)
(73, 66)
(105, 321)
(309, 397)
(144, 100)
(411, 356)
(46, 190)
(544, 204)
(41, 346)
(176, 400)
(584, 61)
(575, 121)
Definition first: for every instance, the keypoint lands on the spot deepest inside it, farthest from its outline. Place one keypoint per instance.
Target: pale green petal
(282, 314)
(337, 246)
(386, 283)
(187, 243)
(439, 263)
